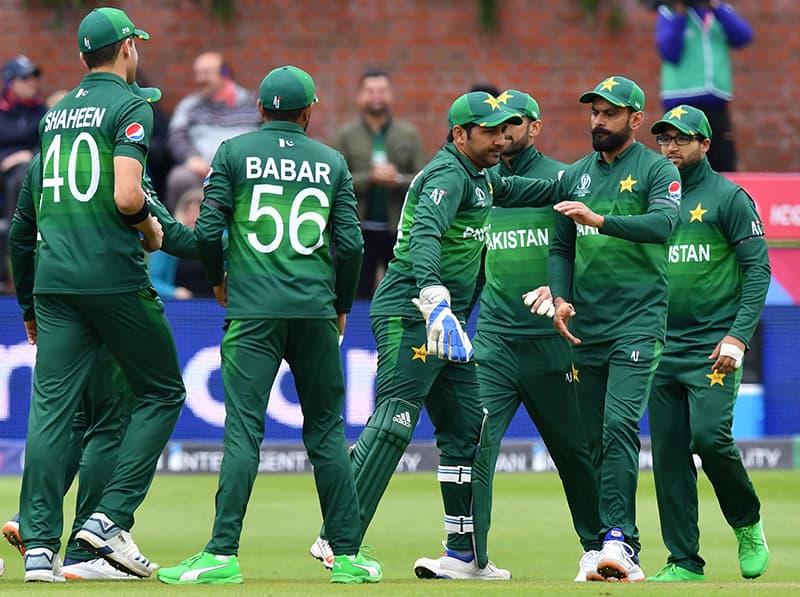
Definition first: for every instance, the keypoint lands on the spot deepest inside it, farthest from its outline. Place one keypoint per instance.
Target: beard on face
(609, 141)
(514, 148)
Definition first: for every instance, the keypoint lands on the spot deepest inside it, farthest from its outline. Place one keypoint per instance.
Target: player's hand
(540, 301)
(341, 323)
(580, 213)
(564, 312)
(727, 355)
(446, 339)
(31, 331)
(221, 291)
(153, 235)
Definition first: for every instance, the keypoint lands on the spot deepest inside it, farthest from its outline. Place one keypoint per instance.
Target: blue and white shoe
(42, 565)
(455, 567)
(617, 560)
(102, 536)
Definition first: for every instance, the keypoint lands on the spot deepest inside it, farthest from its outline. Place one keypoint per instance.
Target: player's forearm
(425, 253)
(559, 275)
(212, 260)
(348, 268)
(754, 263)
(519, 191)
(22, 253)
(655, 227)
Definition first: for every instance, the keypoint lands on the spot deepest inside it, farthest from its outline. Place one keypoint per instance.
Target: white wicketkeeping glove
(546, 308)
(446, 339)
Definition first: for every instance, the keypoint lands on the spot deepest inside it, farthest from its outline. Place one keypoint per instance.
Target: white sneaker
(96, 569)
(42, 565)
(321, 550)
(456, 569)
(618, 562)
(101, 536)
(587, 567)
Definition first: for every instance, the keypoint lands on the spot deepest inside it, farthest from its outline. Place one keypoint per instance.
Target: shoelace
(192, 560)
(666, 571)
(750, 537)
(366, 553)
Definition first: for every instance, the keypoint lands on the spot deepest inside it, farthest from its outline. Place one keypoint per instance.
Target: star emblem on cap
(504, 97)
(493, 102)
(420, 353)
(697, 213)
(627, 184)
(716, 378)
(676, 113)
(608, 84)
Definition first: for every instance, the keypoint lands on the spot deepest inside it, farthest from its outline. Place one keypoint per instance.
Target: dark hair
(284, 115)
(467, 127)
(103, 56)
(373, 73)
(487, 87)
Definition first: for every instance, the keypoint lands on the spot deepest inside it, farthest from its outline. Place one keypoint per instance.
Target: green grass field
(531, 535)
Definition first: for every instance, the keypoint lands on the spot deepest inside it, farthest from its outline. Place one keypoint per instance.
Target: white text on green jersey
(689, 253)
(287, 170)
(74, 118)
(521, 238)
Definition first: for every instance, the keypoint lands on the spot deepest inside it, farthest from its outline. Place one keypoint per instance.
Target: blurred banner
(198, 331)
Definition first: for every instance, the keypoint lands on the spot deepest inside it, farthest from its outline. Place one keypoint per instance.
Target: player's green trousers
(73, 331)
(691, 411)
(536, 371)
(95, 438)
(613, 382)
(408, 379)
(252, 351)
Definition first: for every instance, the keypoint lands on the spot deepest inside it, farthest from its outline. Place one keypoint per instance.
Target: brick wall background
(435, 50)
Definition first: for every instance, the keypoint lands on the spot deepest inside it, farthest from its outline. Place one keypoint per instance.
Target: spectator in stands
(220, 110)
(175, 278)
(693, 38)
(383, 154)
(21, 108)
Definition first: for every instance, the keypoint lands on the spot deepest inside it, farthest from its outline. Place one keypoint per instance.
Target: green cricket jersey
(517, 245)
(86, 248)
(443, 228)
(283, 198)
(616, 277)
(719, 270)
(178, 238)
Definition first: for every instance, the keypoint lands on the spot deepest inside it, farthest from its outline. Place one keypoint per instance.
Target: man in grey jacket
(201, 121)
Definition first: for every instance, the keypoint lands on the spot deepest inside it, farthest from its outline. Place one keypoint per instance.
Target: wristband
(137, 218)
(732, 351)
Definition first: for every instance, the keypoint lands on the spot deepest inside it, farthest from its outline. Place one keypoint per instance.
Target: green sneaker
(753, 550)
(674, 573)
(355, 569)
(203, 569)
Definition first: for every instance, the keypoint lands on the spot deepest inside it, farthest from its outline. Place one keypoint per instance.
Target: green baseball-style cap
(619, 91)
(287, 88)
(105, 26)
(150, 94)
(483, 109)
(520, 102)
(686, 119)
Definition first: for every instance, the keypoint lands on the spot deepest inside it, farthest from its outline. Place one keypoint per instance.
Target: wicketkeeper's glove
(446, 339)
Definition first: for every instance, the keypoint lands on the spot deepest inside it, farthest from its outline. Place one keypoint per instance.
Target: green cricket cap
(287, 88)
(105, 26)
(150, 94)
(520, 102)
(686, 119)
(483, 109)
(619, 91)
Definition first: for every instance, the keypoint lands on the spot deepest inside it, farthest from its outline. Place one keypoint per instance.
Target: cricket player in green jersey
(92, 293)
(719, 275)
(441, 235)
(284, 199)
(608, 274)
(521, 358)
(107, 401)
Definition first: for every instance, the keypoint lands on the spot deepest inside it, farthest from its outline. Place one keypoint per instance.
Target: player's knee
(394, 422)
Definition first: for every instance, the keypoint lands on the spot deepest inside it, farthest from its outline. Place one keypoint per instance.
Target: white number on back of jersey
(52, 177)
(296, 219)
